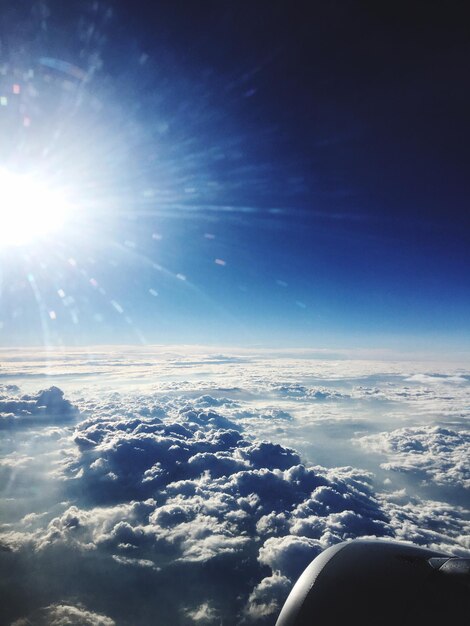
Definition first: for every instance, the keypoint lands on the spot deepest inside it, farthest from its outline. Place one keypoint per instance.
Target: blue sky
(240, 176)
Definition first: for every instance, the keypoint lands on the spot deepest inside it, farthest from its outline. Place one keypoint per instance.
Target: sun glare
(29, 209)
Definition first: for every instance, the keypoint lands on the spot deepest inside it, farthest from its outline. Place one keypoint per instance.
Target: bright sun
(28, 209)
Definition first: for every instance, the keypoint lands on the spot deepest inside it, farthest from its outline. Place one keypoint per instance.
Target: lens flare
(29, 209)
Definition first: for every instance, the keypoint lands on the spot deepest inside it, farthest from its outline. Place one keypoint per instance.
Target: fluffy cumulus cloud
(302, 392)
(263, 601)
(48, 405)
(434, 453)
(166, 510)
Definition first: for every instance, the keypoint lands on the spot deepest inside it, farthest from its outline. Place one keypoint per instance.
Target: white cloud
(46, 405)
(264, 600)
(195, 484)
(206, 494)
(204, 614)
(432, 452)
(65, 615)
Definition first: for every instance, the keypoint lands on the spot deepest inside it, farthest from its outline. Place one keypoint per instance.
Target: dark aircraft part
(380, 583)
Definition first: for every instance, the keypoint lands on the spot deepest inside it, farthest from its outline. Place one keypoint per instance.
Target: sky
(246, 175)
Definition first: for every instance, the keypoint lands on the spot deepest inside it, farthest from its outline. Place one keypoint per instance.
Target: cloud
(431, 452)
(289, 555)
(204, 614)
(437, 525)
(176, 511)
(301, 392)
(209, 401)
(455, 379)
(65, 615)
(48, 405)
(263, 601)
(187, 491)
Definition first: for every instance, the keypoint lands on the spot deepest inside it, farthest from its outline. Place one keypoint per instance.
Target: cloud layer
(434, 453)
(187, 505)
(48, 405)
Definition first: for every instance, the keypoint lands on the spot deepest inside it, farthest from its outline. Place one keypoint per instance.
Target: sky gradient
(240, 175)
